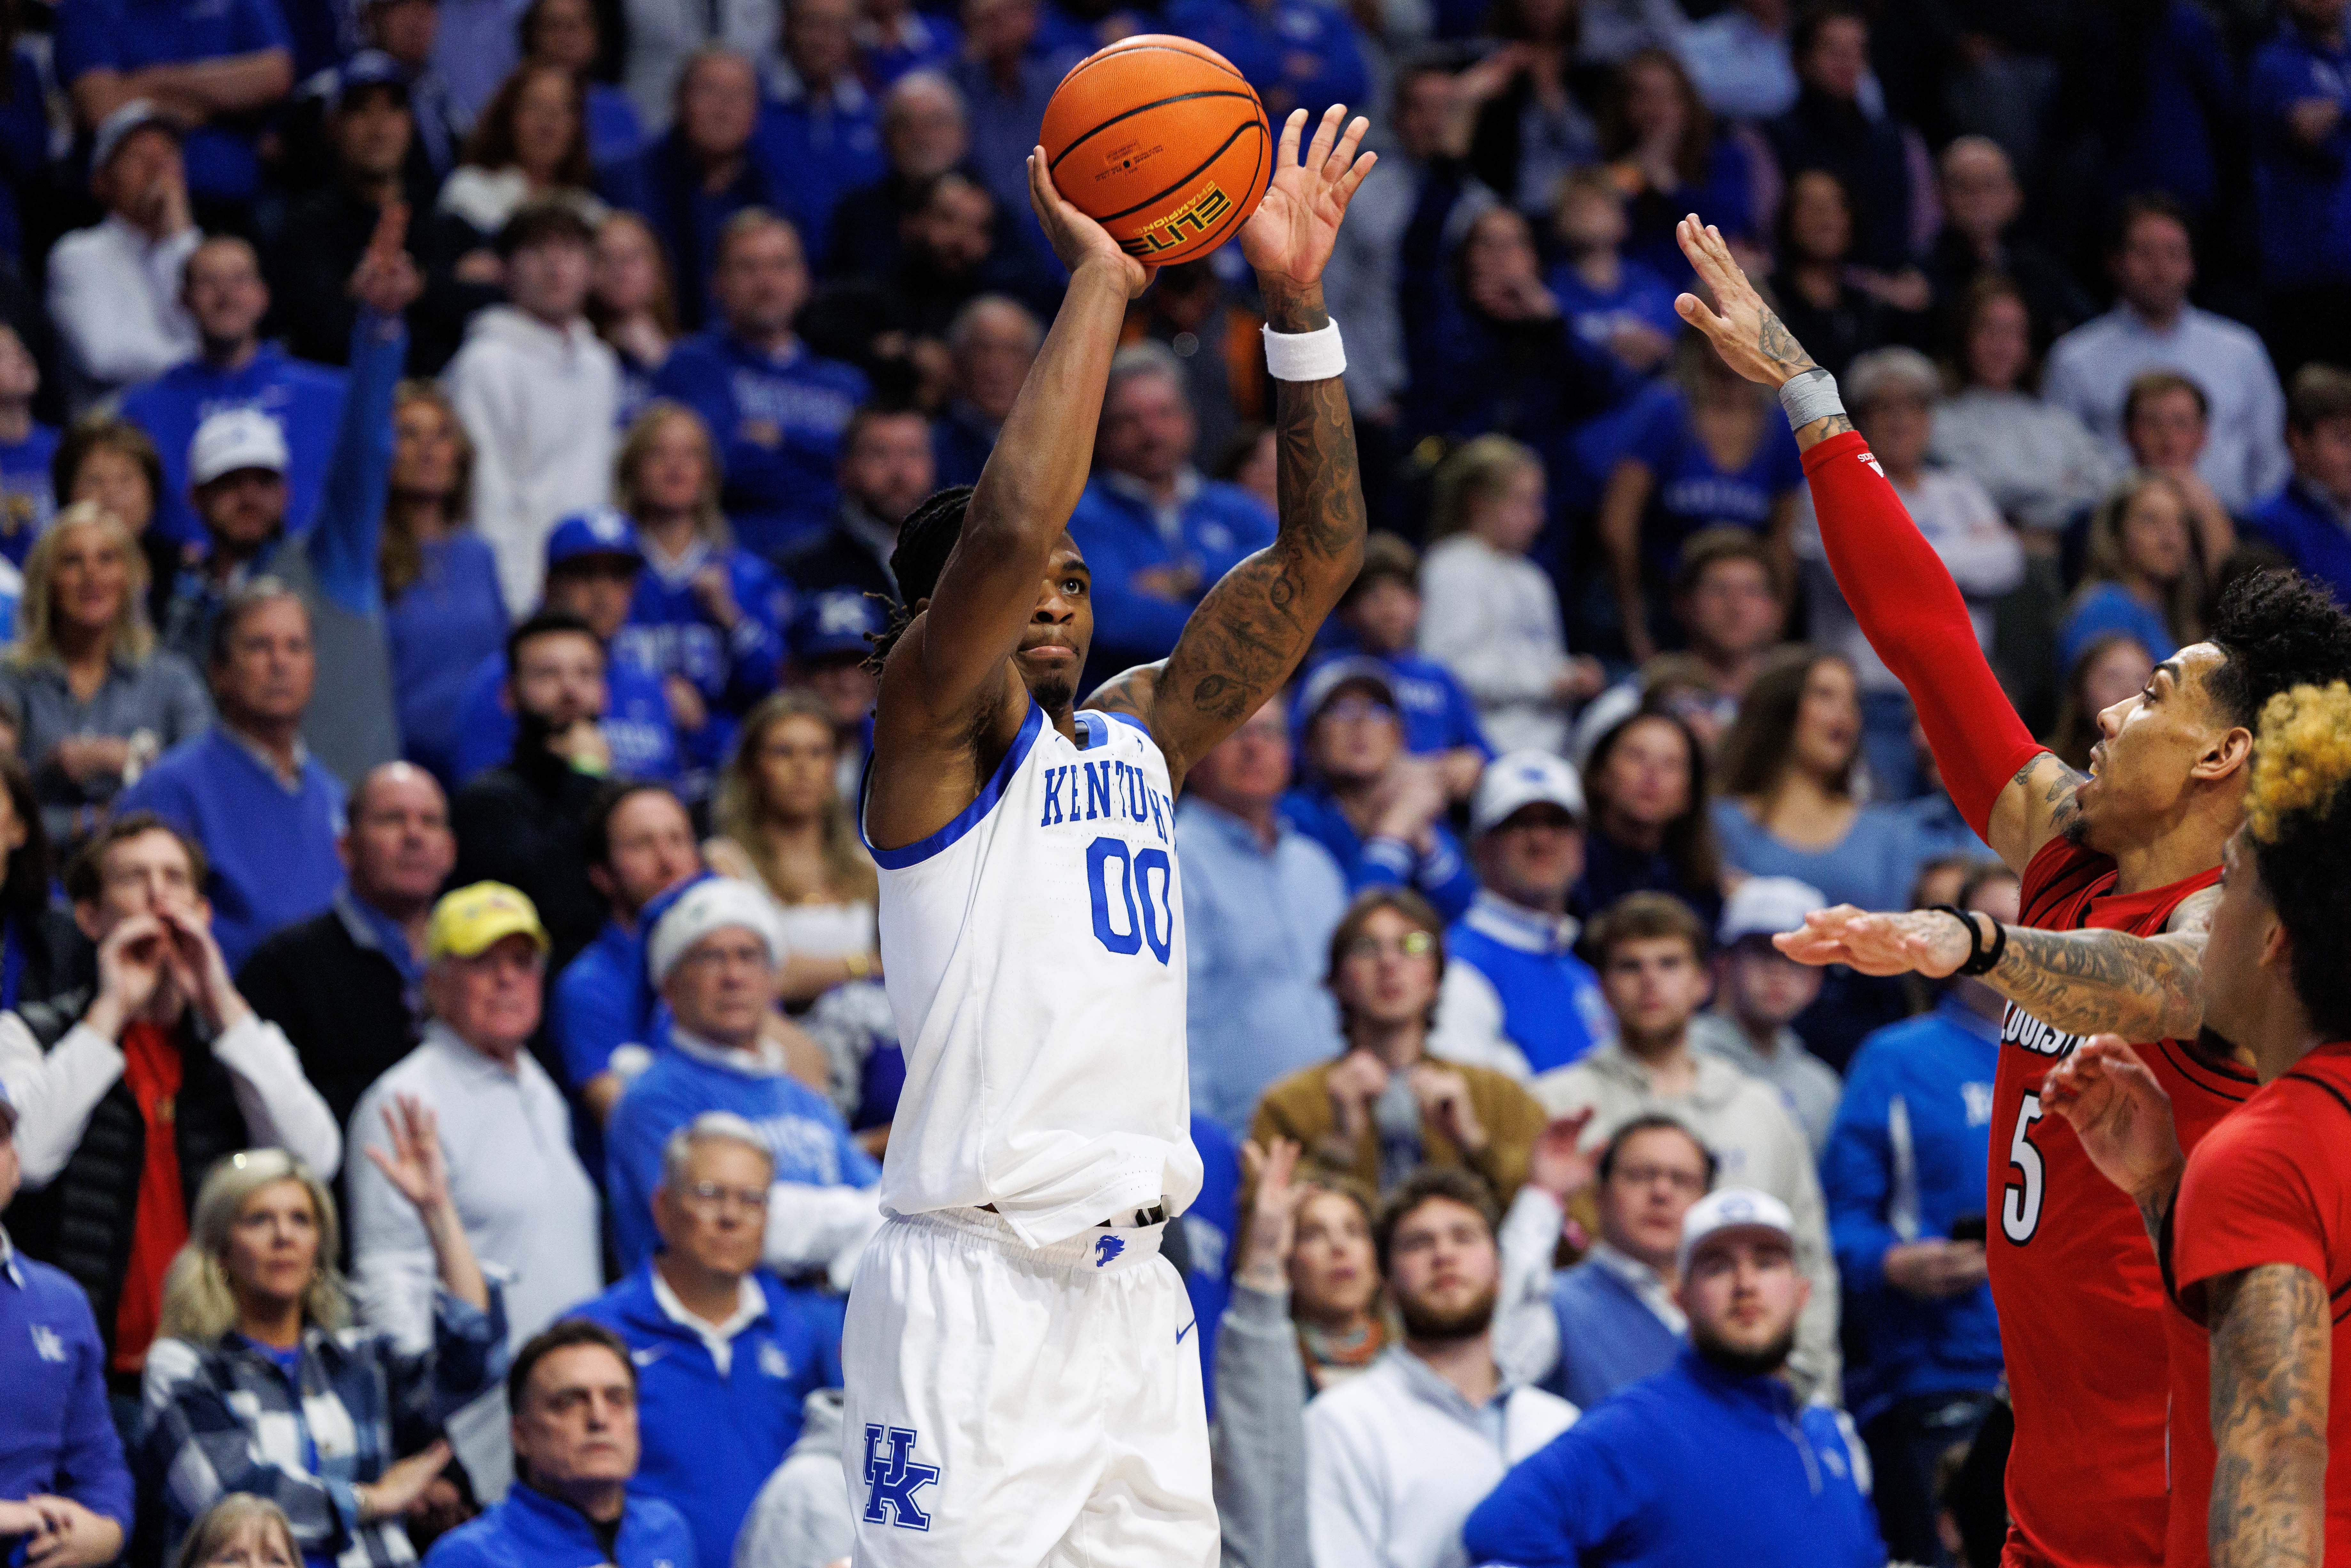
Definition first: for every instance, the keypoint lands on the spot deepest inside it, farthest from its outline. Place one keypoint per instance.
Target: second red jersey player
(2082, 1321)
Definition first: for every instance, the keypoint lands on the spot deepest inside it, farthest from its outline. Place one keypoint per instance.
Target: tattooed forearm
(2271, 1347)
(2088, 982)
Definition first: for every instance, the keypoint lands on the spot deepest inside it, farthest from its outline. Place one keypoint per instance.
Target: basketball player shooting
(2118, 866)
(1023, 1386)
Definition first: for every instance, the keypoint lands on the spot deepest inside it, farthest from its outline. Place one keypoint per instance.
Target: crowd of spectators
(450, 457)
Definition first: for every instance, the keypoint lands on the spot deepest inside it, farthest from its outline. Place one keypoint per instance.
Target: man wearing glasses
(726, 1354)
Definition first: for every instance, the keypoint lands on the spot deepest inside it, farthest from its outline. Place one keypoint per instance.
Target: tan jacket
(1299, 1108)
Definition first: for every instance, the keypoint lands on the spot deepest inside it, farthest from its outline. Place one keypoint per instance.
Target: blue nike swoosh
(1187, 1328)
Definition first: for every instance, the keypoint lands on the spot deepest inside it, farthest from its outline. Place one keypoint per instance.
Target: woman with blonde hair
(443, 613)
(98, 700)
(260, 1383)
(1489, 613)
(782, 825)
(2142, 573)
(707, 616)
(240, 1531)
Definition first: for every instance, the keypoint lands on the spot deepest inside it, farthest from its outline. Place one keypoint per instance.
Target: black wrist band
(1978, 960)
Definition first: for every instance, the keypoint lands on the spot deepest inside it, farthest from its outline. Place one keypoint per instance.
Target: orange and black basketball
(1162, 142)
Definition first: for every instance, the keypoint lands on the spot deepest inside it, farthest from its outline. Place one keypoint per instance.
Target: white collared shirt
(718, 1338)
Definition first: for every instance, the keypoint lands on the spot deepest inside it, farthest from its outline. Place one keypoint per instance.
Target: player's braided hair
(2301, 837)
(2279, 629)
(926, 539)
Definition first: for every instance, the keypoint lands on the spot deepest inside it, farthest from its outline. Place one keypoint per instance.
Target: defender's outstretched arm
(1255, 625)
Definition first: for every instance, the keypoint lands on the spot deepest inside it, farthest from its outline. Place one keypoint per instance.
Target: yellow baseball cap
(469, 921)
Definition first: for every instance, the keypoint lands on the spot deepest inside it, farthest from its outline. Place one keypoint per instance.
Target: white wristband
(1305, 356)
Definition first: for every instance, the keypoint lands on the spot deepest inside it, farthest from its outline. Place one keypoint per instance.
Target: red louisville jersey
(2272, 1185)
(2083, 1323)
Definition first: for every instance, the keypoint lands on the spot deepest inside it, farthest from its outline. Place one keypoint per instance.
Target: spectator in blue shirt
(592, 565)
(2298, 88)
(689, 181)
(27, 446)
(226, 298)
(2141, 573)
(574, 1395)
(1611, 301)
(1156, 535)
(887, 467)
(713, 956)
(1516, 997)
(1702, 452)
(726, 1353)
(1261, 900)
(1651, 828)
(991, 343)
(1007, 74)
(1298, 54)
(1378, 812)
(639, 844)
(776, 410)
(1711, 1460)
(819, 135)
(1672, 156)
(2310, 519)
(1904, 1176)
(1380, 613)
(218, 66)
(567, 33)
(706, 617)
(65, 1492)
(267, 813)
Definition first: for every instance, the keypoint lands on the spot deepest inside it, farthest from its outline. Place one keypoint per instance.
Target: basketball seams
(1080, 140)
(1200, 52)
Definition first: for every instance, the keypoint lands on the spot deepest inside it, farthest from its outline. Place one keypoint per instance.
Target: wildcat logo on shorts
(1106, 1250)
(892, 1479)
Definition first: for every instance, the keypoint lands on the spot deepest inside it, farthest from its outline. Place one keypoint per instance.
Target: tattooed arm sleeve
(2272, 1335)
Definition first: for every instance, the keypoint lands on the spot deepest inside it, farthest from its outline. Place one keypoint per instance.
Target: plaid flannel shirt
(224, 1418)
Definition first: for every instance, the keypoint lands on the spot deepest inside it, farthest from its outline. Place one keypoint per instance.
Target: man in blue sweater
(726, 1354)
(776, 409)
(1711, 1460)
(639, 844)
(65, 1492)
(1156, 533)
(713, 956)
(573, 1392)
(1904, 1176)
(225, 295)
(269, 815)
(2310, 519)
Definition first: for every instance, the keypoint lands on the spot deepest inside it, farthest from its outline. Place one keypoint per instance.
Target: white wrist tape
(1809, 395)
(1305, 356)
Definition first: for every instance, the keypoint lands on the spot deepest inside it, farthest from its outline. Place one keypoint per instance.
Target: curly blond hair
(2302, 758)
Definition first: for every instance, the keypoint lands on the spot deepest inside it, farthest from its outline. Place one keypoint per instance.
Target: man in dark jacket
(523, 822)
(1828, 129)
(887, 469)
(165, 1045)
(344, 985)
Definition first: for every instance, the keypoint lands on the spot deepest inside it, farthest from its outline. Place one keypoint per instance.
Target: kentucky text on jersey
(1090, 791)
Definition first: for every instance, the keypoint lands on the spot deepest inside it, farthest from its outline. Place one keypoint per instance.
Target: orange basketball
(1160, 142)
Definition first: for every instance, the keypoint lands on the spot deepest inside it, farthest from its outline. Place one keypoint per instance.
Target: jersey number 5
(1122, 923)
(2020, 1203)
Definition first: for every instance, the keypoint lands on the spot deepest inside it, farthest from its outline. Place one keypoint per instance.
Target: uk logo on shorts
(1106, 1250)
(891, 1479)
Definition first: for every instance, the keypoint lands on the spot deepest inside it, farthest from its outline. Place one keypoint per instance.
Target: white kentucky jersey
(1033, 951)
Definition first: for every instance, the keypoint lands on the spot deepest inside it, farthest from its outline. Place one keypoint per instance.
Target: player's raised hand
(1077, 238)
(1744, 330)
(2121, 1115)
(1290, 235)
(1918, 941)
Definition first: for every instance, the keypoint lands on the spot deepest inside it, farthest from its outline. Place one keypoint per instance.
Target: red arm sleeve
(1912, 613)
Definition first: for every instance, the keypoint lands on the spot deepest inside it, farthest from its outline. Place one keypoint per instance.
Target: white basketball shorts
(1012, 1406)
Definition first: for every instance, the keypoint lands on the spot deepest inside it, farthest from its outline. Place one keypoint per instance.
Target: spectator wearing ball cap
(1379, 810)
(1155, 534)
(215, 71)
(593, 561)
(1905, 1178)
(1516, 997)
(1757, 993)
(713, 949)
(65, 1492)
(222, 290)
(528, 1208)
(1713, 1460)
(830, 641)
(114, 287)
(237, 474)
(726, 1354)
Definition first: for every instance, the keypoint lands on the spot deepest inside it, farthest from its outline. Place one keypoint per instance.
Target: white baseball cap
(1767, 907)
(1517, 780)
(236, 438)
(117, 127)
(1730, 1210)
